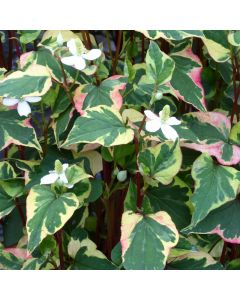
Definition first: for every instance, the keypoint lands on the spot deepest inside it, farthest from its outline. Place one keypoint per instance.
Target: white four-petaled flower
(163, 122)
(23, 106)
(77, 60)
(58, 175)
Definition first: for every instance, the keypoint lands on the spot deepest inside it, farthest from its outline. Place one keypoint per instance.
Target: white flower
(77, 60)
(23, 107)
(57, 175)
(163, 122)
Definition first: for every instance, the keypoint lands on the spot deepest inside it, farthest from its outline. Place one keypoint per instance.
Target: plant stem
(143, 48)
(119, 40)
(2, 59)
(236, 90)
(88, 40)
(21, 214)
(138, 176)
(10, 50)
(58, 237)
(223, 255)
(109, 45)
(65, 83)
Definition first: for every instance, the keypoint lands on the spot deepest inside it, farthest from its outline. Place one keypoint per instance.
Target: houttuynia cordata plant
(120, 150)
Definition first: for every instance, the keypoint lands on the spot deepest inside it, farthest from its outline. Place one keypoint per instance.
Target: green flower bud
(58, 167)
(159, 95)
(165, 113)
(122, 175)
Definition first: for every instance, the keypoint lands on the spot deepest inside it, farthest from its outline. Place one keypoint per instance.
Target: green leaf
(234, 135)
(172, 34)
(8, 261)
(35, 81)
(47, 213)
(215, 185)
(209, 133)
(160, 163)
(214, 40)
(172, 199)
(107, 93)
(147, 240)
(6, 203)
(217, 44)
(130, 202)
(61, 124)
(85, 253)
(234, 38)
(15, 131)
(159, 66)
(194, 261)
(6, 171)
(75, 174)
(186, 78)
(28, 36)
(34, 263)
(102, 125)
(45, 58)
(223, 221)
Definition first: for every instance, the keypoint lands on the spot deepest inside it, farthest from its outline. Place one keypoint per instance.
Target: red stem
(58, 237)
(10, 50)
(119, 40)
(138, 176)
(2, 60)
(235, 68)
(143, 48)
(223, 255)
(21, 214)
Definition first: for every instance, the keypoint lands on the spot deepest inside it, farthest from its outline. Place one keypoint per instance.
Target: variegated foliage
(128, 156)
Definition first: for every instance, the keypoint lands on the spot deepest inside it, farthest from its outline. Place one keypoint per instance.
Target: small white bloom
(23, 107)
(163, 122)
(77, 60)
(57, 175)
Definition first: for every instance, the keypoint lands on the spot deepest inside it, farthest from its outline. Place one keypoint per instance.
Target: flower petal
(150, 115)
(10, 101)
(92, 54)
(169, 132)
(153, 125)
(69, 60)
(63, 178)
(23, 108)
(80, 63)
(50, 178)
(65, 166)
(72, 46)
(32, 99)
(173, 121)
(69, 185)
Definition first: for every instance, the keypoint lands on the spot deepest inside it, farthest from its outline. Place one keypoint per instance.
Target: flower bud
(159, 95)
(122, 175)
(165, 113)
(58, 167)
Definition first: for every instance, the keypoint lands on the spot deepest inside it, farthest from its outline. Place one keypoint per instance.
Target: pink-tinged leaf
(209, 133)
(186, 80)
(223, 221)
(24, 58)
(79, 98)
(19, 253)
(107, 93)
